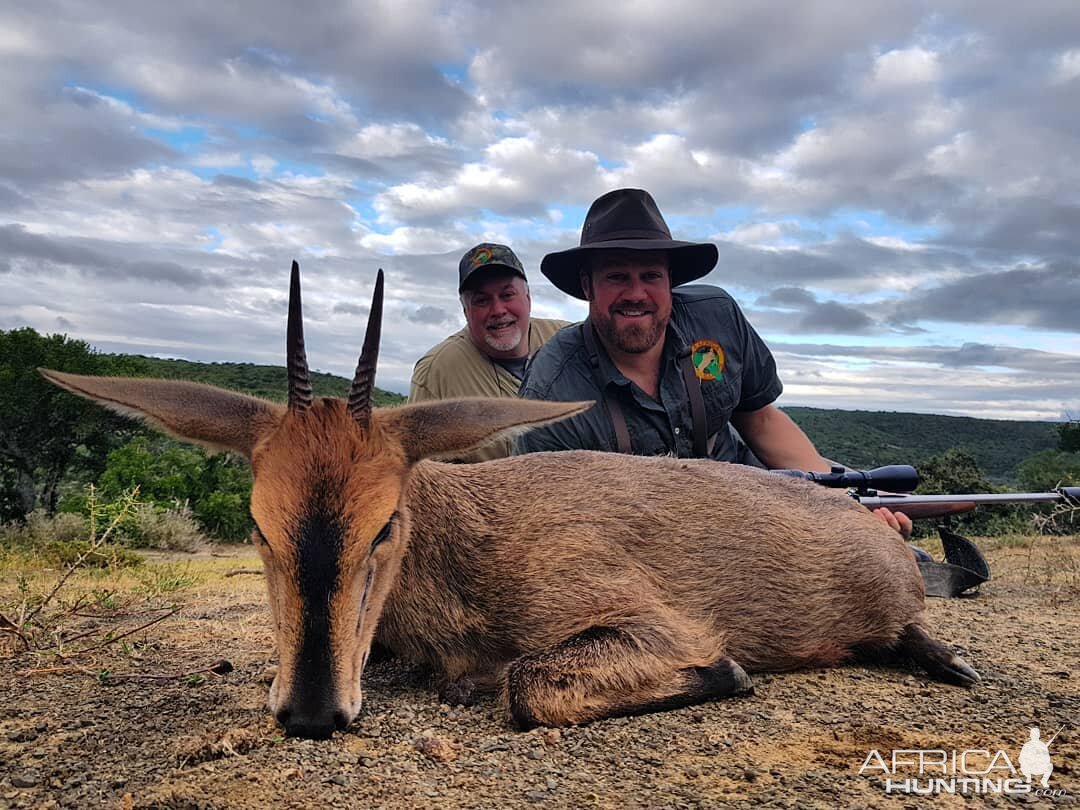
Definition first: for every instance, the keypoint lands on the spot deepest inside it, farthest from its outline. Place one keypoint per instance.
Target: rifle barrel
(898, 501)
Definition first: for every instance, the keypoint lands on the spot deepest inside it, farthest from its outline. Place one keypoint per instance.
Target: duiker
(580, 585)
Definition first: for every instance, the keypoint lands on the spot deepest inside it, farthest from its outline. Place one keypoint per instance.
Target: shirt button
(676, 431)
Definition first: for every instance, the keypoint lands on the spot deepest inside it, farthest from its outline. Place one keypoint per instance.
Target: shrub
(217, 487)
(1049, 469)
(65, 553)
(39, 529)
(956, 472)
(167, 529)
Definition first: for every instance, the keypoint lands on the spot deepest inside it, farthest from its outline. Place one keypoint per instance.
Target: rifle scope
(892, 478)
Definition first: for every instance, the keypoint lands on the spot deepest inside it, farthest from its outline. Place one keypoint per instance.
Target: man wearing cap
(487, 358)
(670, 366)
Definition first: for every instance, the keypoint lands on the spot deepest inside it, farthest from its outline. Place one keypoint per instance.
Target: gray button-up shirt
(741, 376)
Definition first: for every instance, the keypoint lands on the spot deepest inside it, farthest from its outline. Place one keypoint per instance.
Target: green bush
(215, 489)
(956, 472)
(113, 556)
(1049, 469)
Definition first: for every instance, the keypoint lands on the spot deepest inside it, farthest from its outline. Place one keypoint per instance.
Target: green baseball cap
(487, 256)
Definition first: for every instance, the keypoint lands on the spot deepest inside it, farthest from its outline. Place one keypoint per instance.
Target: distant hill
(872, 438)
(856, 438)
(270, 382)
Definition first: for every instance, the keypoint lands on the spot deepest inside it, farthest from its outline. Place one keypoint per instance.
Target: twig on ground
(115, 639)
(8, 626)
(232, 572)
(220, 667)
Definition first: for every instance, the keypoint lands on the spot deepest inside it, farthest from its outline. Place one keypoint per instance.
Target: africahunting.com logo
(973, 771)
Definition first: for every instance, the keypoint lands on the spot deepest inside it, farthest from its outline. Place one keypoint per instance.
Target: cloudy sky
(894, 187)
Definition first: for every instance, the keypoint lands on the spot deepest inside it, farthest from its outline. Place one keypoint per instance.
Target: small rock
(339, 780)
(749, 774)
(692, 773)
(536, 796)
(550, 736)
(25, 779)
(27, 735)
(535, 753)
(437, 749)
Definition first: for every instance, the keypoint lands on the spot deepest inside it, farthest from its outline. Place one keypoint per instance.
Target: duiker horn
(363, 385)
(299, 382)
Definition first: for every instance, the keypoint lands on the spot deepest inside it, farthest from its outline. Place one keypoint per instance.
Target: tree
(956, 472)
(1050, 468)
(950, 472)
(216, 487)
(46, 432)
(1069, 436)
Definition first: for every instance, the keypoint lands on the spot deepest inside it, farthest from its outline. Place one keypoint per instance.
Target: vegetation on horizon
(52, 445)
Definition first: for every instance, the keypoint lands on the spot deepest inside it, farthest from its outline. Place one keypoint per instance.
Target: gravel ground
(67, 740)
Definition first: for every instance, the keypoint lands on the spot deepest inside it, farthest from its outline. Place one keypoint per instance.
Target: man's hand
(896, 520)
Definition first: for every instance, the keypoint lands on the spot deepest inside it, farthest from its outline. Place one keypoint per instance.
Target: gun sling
(615, 411)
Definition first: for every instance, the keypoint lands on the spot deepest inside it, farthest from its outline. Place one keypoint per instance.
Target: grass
(75, 596)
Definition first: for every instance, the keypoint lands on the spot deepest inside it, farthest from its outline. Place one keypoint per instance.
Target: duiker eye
(384, 532)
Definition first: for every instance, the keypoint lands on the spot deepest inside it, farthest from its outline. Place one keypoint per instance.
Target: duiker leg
(608, 672)
(935, 657)
(916, 645)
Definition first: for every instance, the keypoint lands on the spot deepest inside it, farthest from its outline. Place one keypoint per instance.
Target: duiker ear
(457, 425)
(193, 411)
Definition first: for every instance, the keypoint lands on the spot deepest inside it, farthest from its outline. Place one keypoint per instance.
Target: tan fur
(579, 584)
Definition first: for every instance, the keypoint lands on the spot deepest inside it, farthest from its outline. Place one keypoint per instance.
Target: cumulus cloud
(871, 171)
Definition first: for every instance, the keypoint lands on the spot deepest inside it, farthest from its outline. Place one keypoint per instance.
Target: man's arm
(781, 444)
(777, 440)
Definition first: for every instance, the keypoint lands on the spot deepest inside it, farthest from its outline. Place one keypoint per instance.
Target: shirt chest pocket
(720, 398)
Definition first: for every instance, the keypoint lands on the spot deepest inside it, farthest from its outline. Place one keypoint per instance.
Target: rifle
(965, 567)
(891, 487)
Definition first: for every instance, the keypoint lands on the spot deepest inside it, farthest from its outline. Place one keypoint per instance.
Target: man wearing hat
(670, 366)
(487, 358)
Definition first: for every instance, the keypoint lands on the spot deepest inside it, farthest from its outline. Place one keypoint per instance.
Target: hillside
(270, 382)
(856, 438)
(872, 438)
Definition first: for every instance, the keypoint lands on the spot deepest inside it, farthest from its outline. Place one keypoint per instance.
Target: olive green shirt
(456, 368)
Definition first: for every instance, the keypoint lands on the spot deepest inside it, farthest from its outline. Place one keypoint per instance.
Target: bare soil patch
(69, 740)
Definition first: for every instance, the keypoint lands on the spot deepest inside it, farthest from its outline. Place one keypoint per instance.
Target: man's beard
(630, 338)
(504, 344)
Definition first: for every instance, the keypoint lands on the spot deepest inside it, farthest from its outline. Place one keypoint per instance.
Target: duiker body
(580, 585)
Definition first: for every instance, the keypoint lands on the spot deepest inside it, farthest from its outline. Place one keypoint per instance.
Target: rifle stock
(917, 511)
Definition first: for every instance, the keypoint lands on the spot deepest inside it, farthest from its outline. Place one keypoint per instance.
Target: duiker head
(328, 500)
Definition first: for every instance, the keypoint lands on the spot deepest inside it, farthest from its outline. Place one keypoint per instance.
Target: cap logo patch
(708, 359)
(481, 256)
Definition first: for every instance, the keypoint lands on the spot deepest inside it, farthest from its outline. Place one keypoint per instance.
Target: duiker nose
(317, 724)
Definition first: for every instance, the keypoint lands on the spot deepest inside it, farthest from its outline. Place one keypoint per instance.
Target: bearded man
(488, 357)
(671, 367)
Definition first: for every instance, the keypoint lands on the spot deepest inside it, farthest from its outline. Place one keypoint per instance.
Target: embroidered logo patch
(708, 359)
(481, 257)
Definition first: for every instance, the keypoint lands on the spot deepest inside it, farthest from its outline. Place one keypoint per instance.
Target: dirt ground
(67, 739)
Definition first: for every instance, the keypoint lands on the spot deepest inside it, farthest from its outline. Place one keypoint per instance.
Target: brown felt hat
(627, 218)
